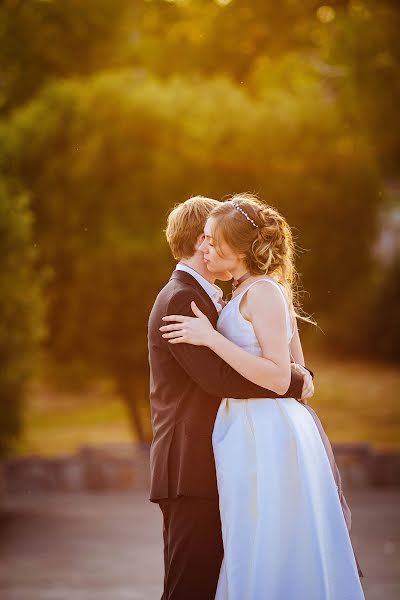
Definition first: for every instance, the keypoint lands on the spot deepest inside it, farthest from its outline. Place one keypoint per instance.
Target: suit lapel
(185, 277)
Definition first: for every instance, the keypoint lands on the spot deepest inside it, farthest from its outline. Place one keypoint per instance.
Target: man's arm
(214, 375)
(309, 370)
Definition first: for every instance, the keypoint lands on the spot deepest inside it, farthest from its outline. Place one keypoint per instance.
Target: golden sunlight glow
(325, 13)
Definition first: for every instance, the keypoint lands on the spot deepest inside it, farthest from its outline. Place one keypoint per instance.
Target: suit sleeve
(214, 375)
(311, 372)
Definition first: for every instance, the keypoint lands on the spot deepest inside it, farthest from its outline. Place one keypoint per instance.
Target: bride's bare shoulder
(261, 299)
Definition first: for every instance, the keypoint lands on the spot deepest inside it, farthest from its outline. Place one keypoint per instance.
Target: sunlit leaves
(22, 309)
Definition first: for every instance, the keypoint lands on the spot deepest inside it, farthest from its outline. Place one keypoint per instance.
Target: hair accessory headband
(244, 213)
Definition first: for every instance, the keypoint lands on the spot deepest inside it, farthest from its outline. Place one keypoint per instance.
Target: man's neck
(197, 263)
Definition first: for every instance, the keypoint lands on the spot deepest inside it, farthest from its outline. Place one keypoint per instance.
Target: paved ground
(108, 547)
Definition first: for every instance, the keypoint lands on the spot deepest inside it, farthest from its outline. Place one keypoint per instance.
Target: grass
(358, 401)
(355, 400)
(58, 422)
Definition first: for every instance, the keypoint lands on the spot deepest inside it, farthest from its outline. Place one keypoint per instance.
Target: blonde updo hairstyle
(268, 249)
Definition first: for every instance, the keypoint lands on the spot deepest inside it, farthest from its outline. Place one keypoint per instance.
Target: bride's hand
(196, 330)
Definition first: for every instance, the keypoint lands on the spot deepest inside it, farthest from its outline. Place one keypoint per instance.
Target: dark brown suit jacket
(187, 384)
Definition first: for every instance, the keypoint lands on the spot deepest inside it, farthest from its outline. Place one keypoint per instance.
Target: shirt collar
(211, 289)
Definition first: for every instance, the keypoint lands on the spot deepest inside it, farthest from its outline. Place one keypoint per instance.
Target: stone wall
(126, 467)
(93, 468)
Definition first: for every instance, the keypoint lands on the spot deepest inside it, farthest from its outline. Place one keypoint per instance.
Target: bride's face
(223, 259)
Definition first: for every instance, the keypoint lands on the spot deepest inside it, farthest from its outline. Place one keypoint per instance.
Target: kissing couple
(241, 467)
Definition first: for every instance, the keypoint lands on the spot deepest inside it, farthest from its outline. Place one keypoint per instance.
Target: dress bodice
(236, 328)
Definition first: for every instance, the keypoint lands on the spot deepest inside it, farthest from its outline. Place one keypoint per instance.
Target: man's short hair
(186, 223)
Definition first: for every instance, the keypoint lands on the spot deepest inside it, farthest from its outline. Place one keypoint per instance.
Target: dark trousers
(193, 548)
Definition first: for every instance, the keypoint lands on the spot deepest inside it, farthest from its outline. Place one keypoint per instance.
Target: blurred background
(113, 111)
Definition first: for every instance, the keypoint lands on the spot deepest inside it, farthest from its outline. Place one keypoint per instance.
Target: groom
(187, 384)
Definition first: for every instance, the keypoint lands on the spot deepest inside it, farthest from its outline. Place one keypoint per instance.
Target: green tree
(22, 310)
(362, 46)
(42, 41)
(109, 156)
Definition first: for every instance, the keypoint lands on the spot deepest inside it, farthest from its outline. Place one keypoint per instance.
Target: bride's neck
(246, 280)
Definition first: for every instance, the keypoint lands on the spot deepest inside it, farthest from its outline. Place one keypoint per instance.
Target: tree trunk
(130, 392)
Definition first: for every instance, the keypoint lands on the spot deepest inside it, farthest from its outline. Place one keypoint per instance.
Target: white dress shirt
(211, 289)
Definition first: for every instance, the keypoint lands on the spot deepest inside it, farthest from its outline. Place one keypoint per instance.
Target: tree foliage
(22, 310)
(113, 114)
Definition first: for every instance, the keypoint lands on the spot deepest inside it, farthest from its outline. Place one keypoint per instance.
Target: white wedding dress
(283, 529)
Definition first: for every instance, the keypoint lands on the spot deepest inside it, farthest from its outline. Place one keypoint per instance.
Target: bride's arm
(266, 311)
(296, 349)
(297, 355)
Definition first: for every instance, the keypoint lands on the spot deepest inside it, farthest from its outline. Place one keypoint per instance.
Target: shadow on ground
(109, 546)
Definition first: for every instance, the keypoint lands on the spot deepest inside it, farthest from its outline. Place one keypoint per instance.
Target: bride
(284, 532)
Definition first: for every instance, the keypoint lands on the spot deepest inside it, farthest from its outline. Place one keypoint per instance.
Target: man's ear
(199, 241)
